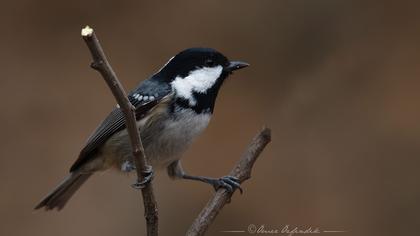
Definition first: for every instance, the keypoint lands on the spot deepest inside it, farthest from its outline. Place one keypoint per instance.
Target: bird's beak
(236, 65)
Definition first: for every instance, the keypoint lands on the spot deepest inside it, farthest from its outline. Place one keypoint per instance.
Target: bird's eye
(209, 63)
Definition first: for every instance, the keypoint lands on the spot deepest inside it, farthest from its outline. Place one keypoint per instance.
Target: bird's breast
(167, 135)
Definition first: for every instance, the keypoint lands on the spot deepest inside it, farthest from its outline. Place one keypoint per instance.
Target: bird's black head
(196, 75)
(193, 59)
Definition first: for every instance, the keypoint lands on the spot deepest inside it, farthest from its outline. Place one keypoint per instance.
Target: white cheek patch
(199, 81)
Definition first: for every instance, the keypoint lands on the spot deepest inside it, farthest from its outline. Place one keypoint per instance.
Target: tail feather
(63, 192)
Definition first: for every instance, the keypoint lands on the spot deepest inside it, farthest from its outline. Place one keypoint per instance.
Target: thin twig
(101, 64)
(242, 171)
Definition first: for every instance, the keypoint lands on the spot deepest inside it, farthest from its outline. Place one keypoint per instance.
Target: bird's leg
(230, 183)
(127, 166)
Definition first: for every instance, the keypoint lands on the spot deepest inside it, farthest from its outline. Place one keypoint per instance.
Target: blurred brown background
(337, 81)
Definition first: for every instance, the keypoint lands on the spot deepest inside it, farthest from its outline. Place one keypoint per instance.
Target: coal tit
(173, 107)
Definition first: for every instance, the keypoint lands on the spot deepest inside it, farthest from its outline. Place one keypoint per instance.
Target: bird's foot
(147, 176)
(230, 183)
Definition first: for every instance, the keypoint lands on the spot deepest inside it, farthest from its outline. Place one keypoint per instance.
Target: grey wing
(115, 121)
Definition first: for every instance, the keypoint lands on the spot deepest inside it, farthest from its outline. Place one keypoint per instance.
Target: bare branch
(101, 64)
(242, 171)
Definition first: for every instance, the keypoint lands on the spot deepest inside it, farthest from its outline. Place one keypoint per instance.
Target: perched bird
(173, 107)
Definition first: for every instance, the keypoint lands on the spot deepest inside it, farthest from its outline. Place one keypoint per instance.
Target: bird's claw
(147, 177)
(230, 183)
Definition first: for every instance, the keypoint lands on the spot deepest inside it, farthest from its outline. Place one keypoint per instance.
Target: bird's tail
(63, 192)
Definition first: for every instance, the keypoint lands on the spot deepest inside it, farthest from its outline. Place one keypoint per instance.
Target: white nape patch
(198, 81)
(170, 59)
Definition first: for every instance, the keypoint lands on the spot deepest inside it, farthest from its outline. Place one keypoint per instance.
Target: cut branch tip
(87, 31)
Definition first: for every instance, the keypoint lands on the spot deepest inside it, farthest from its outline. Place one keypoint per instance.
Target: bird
(172, 107)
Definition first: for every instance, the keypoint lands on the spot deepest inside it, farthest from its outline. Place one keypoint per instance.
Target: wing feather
(115, 121)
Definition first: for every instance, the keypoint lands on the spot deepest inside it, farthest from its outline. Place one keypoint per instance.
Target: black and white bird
(173, 107)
